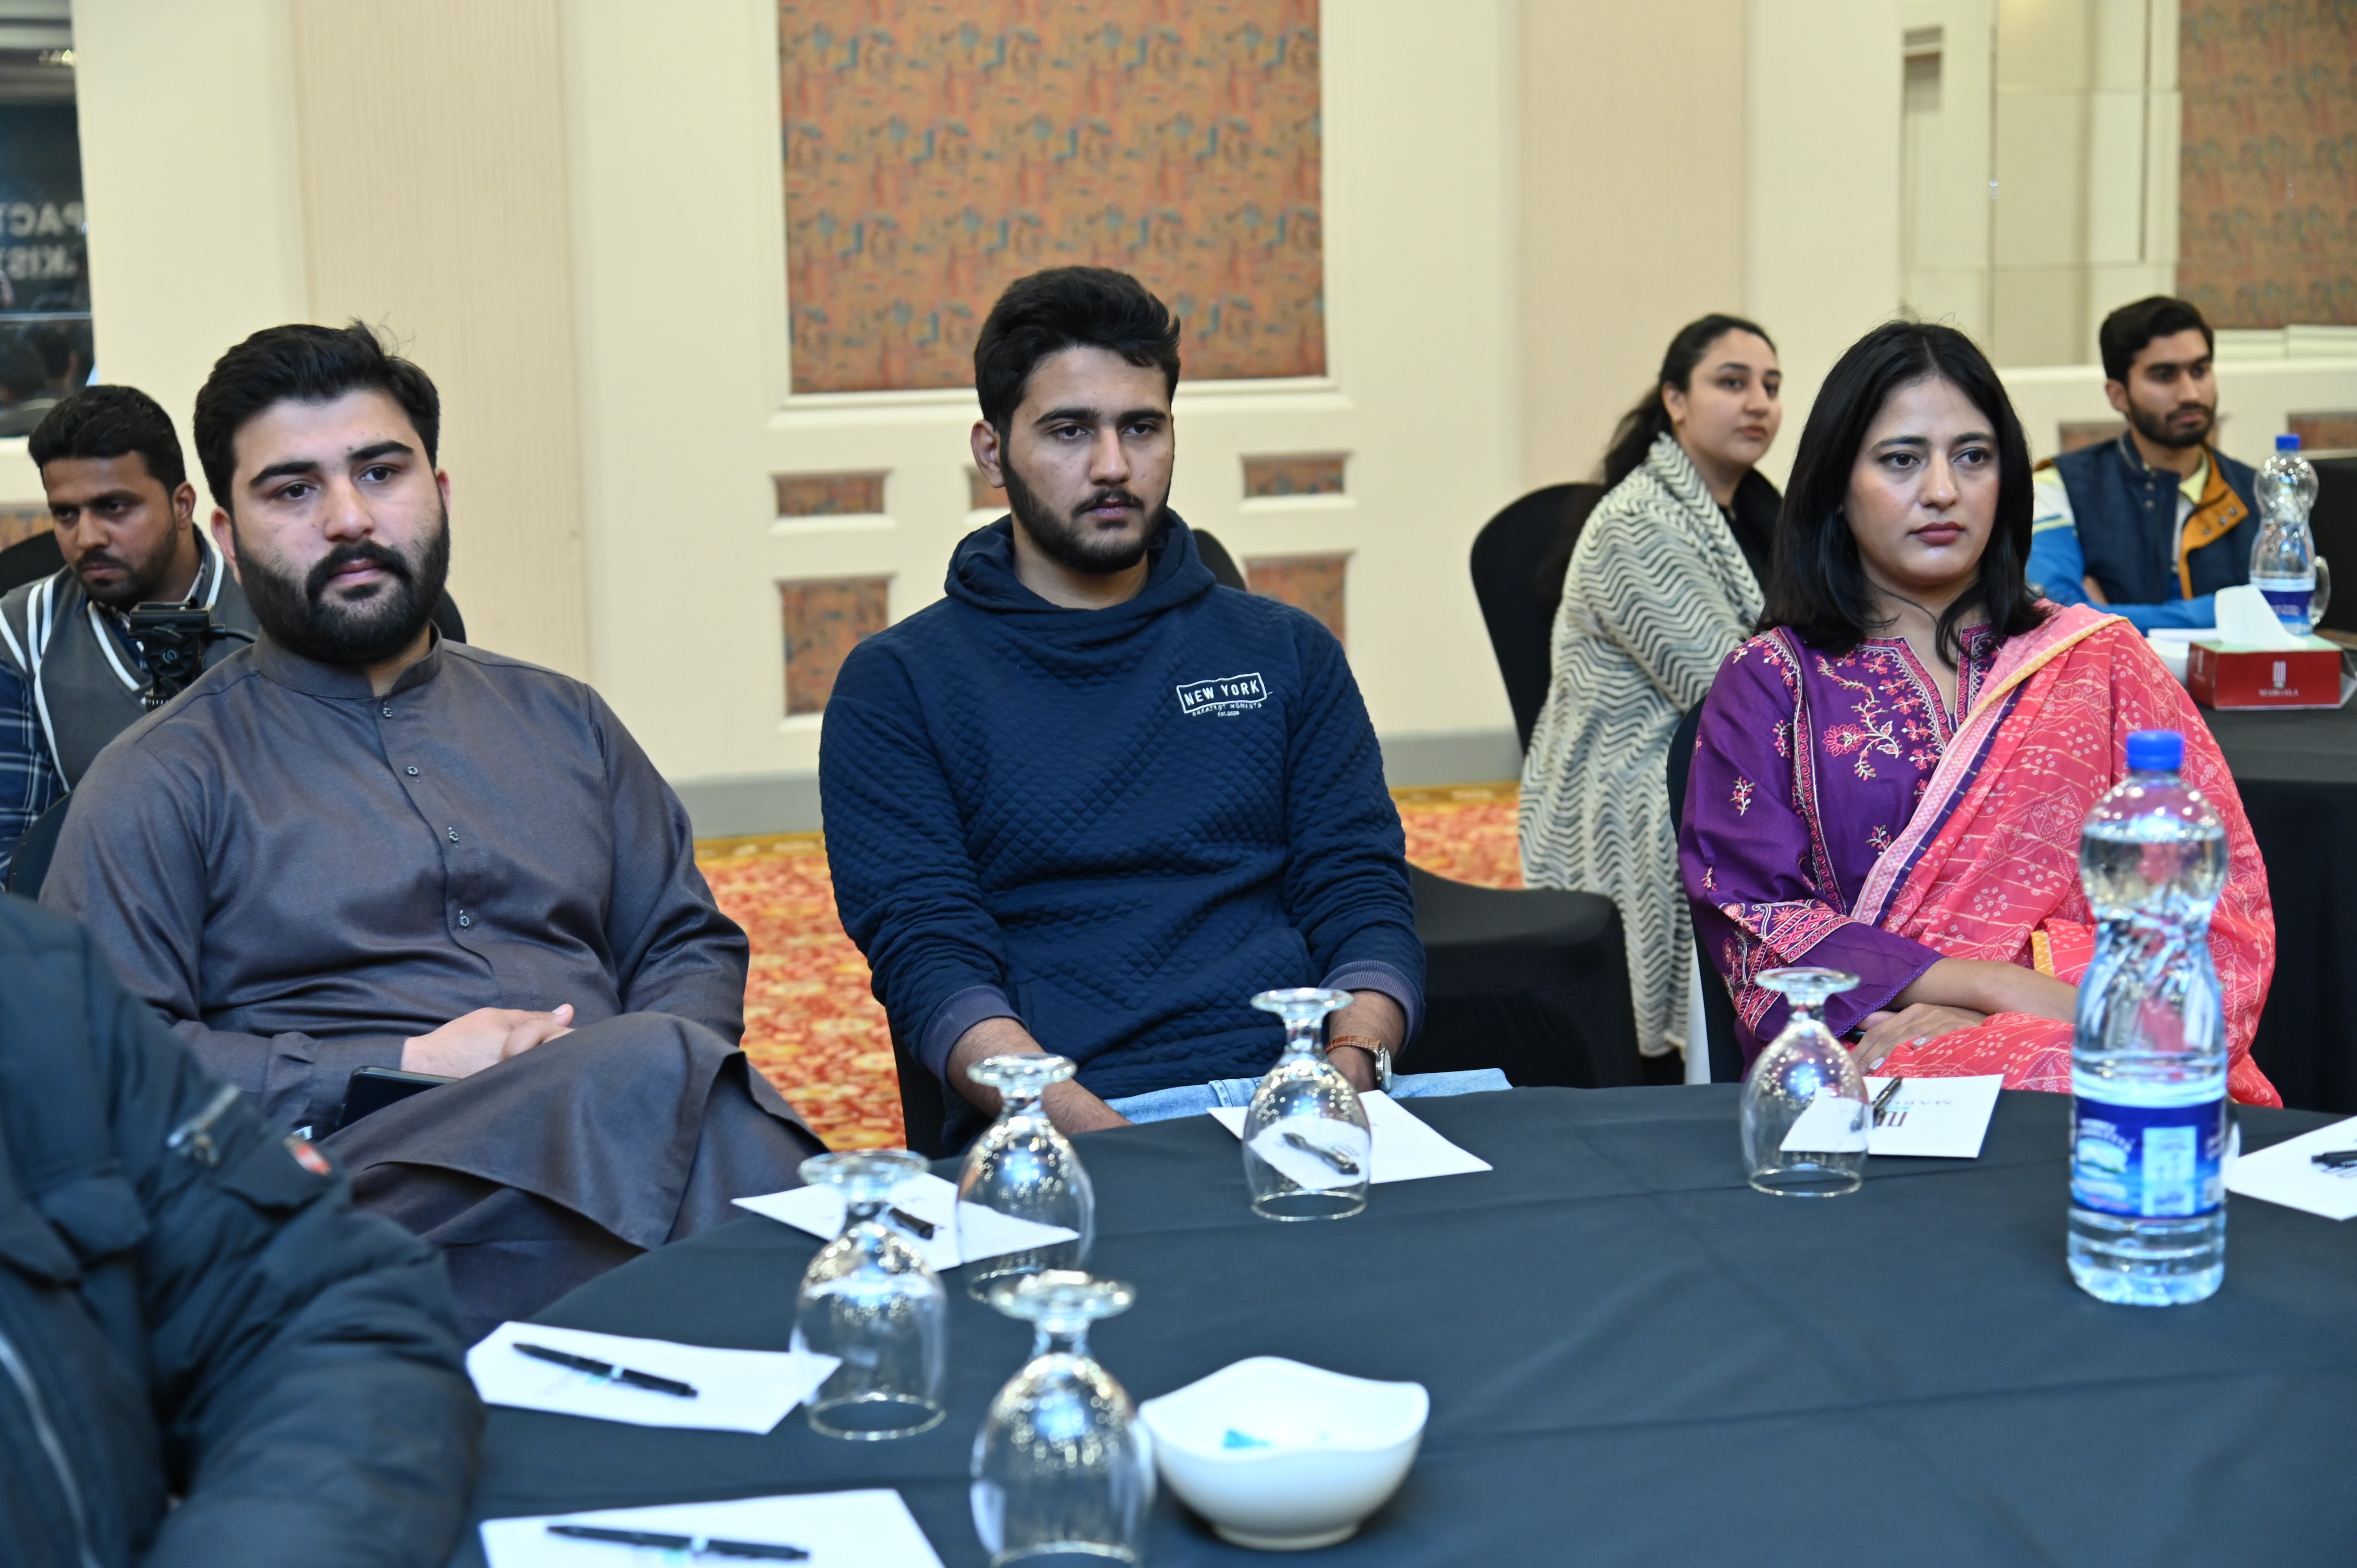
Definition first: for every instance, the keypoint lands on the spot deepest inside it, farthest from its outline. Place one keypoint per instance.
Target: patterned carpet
(811, 1026)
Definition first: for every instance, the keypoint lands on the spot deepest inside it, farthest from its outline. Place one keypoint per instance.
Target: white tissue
(2245, 621)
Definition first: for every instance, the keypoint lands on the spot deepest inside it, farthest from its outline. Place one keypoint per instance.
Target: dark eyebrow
(381, 449)
(293, 468)
(1085, 415)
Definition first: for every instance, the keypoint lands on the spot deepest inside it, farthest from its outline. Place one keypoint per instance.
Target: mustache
(343, 556)
(1107, 498)
(93, 559)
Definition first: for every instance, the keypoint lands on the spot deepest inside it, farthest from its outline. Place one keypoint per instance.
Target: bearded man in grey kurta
(326, 855)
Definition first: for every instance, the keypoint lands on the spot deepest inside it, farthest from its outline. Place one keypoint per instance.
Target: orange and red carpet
(810, 1025)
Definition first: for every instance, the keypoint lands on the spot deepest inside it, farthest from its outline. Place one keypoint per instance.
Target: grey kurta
(298, 875)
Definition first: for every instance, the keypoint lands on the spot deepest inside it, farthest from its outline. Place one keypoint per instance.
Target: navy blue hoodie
(1114, 825)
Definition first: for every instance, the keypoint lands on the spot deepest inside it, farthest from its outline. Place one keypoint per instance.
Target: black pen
(922, 1228)
(2334, 1159)
(1883, 1099)
(608, 1372)
(1343, 1165)
(695, 1545)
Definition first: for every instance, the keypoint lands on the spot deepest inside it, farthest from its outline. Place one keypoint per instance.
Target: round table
(2297, 772)
(1632, 1358)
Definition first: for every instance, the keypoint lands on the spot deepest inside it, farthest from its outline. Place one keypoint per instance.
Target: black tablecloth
(2297, 773)
(1632, 1358)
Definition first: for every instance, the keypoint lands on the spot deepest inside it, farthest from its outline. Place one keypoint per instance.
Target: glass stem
(1059, 1340)
(1301, 1035)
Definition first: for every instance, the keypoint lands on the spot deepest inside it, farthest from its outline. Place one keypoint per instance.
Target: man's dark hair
(1650, 420)
(110, 421)
(1818, 585)
(2126, 330)
(299, 363)
(1068, 307)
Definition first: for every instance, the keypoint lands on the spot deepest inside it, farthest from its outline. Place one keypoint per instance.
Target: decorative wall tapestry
(935, 150)
(2267, 191)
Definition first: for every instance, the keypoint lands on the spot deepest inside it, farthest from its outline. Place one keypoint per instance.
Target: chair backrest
(2334, 523)
(1222, 565)
(1717, 1007)
(30, 561)
(1508, 555)
(31, 864)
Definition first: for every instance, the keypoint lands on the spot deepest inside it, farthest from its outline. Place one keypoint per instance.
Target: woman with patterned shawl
(1890, 778)
(1666, 578)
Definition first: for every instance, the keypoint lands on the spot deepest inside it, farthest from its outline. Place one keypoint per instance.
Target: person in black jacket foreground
(190, 1308)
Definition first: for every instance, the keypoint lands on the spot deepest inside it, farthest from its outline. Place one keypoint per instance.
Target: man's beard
(2156, 428)
(143, 581)
(302, 619)
(1070, 542)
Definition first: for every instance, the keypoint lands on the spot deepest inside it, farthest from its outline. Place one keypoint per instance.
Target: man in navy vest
(1091, 802)
(2151, 525)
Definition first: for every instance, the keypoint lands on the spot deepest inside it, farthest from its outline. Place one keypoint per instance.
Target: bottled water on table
(2148, 1063)
(2283, 561)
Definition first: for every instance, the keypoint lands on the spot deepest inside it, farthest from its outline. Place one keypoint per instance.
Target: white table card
(1933, 1118)
(1406, 1148)
(735, 1390)
(839, 1529)
(2288, 1173)
(986, 1234)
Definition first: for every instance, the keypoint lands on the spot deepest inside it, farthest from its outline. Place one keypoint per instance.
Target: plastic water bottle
(2148, 1063)
(2283, 561)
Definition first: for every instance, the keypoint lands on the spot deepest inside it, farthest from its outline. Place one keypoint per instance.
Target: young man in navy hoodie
(1092, 803)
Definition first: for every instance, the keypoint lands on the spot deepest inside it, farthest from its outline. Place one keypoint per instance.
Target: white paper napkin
(735, 1390)
(839, 1529)
(1405, 1148)
(1934, 1118)
(2247, 620)
(2285, 1174)
(986, 1232)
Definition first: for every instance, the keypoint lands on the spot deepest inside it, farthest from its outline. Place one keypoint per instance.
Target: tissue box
(2230, 675)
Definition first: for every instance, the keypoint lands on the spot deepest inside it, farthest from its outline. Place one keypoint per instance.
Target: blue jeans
(1194, 1098)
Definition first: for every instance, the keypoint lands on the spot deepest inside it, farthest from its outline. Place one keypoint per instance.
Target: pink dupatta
(1987, 868)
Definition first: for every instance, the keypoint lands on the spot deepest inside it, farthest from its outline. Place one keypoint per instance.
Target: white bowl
(1283, 1456)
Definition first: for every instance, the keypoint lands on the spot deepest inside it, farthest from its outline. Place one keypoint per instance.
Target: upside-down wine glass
(1804, 1111)
(870, 1300)
(1024, 1168)
(1307, 1149)
(1061, 1466)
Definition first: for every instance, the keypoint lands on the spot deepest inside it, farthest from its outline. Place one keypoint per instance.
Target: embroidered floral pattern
(1742, 797)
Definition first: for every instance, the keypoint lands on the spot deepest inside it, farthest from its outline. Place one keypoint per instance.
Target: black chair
(1514, 556)
(1717, 1007)
(31, 864)
(1533, 981)
(2334, 523)
(1222, 565)
(29, 560)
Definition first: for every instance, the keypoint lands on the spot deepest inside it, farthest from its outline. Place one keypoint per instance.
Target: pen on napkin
(693, 1545)
(1883, 1099)
(608, 1372)
(1341, 1163)
(922, 1228)
(2334, 1159)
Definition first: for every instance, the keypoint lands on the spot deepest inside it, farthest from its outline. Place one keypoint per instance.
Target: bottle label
(2156, 1162)
(2290, 605)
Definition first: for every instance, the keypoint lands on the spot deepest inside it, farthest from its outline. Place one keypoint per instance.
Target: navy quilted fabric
(1126, 820)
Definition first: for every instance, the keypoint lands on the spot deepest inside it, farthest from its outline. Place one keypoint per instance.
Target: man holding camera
(72, 673)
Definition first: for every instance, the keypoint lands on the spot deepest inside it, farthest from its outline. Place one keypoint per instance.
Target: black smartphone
(371, 1089)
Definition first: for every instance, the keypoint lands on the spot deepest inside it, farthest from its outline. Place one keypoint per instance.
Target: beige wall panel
(435, 181)
(1632, 207)
(189, 170)
(1821, 221)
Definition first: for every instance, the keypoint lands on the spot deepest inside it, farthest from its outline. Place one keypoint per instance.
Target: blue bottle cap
(2155, 751)
(2286, 443)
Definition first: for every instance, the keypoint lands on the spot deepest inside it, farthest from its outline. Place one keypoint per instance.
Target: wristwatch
(1373, 1048)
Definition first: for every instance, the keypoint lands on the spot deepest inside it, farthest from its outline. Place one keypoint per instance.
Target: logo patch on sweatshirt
(1228, 694)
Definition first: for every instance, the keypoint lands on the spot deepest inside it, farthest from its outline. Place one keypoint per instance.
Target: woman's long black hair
(1635, 434)
(1818, 585)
